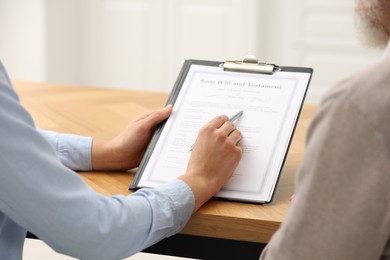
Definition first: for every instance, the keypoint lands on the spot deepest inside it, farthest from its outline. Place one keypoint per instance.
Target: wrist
(201, 189)
(103, 157)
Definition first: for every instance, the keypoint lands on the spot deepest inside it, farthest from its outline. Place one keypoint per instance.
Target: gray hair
(372, 20)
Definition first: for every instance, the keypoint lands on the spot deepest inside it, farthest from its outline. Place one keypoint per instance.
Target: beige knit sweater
(341, 208)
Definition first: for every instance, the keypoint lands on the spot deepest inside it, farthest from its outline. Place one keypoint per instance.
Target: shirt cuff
(74, 151)
(182, 201)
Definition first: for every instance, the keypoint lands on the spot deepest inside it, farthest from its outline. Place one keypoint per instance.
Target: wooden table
(103, 113)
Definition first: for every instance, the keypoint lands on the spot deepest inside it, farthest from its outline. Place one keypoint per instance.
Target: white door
(318, 34)
(141, 44)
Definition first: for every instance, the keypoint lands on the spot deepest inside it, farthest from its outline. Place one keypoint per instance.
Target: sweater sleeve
(341, 206)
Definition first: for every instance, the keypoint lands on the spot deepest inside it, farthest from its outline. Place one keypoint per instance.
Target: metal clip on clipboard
(250, 64)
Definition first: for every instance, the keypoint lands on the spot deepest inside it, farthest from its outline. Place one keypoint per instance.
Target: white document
(271, 105)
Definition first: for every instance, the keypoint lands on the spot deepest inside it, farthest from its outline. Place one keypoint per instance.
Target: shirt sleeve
(42, 195)
(341, 206)
(73, 151)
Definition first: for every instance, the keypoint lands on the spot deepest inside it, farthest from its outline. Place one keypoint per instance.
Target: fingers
(153, 118)
(143, 116)
(236, 136)
(227, 128)
(218, 121)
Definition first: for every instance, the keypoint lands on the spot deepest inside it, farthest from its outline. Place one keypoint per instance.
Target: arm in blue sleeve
(73, 151)
(43, 196)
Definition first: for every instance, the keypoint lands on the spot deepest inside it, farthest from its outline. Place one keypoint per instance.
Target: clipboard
(271, 97)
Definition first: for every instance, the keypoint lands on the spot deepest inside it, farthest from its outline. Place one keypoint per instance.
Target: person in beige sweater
(341, 207)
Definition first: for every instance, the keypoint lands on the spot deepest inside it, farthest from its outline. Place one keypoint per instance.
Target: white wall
(61, 41)
(23, 38)
(318, 34)
(141, 44)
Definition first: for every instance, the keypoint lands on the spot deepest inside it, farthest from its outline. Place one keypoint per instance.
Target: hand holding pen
(216, 154)
(232, 119)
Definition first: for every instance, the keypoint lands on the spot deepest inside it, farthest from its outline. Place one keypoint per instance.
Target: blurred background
(142, 44)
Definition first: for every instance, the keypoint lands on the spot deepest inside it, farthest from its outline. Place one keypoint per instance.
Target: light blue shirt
(40, 193)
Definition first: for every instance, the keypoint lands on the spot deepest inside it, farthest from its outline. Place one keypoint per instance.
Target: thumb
(158, 116)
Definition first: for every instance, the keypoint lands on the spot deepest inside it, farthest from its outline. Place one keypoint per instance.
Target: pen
(236, 116)
(232, 119)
